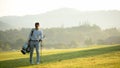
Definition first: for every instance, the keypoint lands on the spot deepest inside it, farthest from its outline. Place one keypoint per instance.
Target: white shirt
(37, 34)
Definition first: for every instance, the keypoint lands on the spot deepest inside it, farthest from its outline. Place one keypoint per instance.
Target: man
(35, 39)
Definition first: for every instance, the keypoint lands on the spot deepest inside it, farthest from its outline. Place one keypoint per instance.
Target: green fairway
(91, 57)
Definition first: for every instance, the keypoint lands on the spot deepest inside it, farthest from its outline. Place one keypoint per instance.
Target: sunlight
(25, 7)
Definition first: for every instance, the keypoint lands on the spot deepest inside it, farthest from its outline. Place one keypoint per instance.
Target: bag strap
(31, 35)
(32, 32)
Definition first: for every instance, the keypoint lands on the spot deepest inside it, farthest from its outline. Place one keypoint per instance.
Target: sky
(31, 7)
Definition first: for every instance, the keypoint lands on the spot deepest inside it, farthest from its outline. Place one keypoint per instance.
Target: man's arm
(41, 36)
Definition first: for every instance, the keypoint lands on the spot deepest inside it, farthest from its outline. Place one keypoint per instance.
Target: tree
(88, 41)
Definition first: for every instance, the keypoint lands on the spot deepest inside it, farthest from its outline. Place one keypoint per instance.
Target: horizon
(62, 27)
(63, 8)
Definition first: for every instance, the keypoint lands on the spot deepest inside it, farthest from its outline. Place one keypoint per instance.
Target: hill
(4, 26)
(66, 17)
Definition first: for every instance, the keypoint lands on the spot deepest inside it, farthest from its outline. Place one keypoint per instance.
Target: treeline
(81, 36)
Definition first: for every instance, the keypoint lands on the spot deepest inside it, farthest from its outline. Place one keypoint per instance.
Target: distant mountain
(4, 26)
(66, 17)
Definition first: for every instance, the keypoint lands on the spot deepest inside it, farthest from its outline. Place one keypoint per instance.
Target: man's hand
(40, 40)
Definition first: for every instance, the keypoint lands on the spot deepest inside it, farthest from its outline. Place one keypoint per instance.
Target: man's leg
(31, 52)
(37, 52)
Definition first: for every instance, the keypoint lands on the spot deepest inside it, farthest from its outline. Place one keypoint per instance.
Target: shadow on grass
(59, 57)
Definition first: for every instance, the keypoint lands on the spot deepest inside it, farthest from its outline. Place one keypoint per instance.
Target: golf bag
(25, 48)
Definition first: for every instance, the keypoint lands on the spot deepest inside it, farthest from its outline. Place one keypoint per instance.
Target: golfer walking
(35, 40)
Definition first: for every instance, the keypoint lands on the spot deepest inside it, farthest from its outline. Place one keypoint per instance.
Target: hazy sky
(24, 7)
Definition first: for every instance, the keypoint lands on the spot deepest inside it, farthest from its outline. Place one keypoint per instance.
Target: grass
(92, 57)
